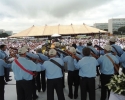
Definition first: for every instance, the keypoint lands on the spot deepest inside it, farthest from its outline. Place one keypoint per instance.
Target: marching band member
(107, 70)
(33, 57)
(122, 61)
(115, 48)
(24, 83)
(3, 65)
(54, 76)
(40, 79)
(87, 72)
(80, 47)
(73, 77)
(93, 50)
(5, 56)
(59, 55)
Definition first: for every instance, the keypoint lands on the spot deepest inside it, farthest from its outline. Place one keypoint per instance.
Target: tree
(115, 32)
(4, 35)
(105, 29)
(122, 29)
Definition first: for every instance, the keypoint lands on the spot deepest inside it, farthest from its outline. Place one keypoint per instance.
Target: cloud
(56, 8)
(17, 15)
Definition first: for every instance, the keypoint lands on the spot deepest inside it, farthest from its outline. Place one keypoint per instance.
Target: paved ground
(10, 91)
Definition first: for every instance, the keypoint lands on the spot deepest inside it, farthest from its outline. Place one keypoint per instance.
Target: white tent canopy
(60, 29)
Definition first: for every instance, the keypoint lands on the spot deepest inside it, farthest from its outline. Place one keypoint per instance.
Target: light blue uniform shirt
(80, 48)
(32, 55)
(118, 48)
(52, 70)
(87, 66)
(70, 65)
(122, 60)
(79, 56)
(2, 54)
(2, 65)
(106, 66)
(42, 56)
(94, 50)
(19, 74)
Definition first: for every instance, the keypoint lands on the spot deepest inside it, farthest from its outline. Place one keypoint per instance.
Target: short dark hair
(2, 46)
(74, 45)
(89, 44)
(86, 51)
(111, 42)
(39, 50)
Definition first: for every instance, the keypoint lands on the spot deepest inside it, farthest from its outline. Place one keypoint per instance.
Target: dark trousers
(73, 78)
(58, 86)
(6, 71)
(123, 70)
(1, 87)
(87, 85)
(63, 79)
(41, 79)
(34, 88)
(76, 82)
(105, 79)
(24, 90)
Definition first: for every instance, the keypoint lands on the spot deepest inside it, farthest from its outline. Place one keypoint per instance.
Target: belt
(107, 75)
(23, 80)
(55, 78)
(87, 77)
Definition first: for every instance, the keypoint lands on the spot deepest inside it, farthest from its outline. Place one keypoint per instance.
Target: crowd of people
(36, 69)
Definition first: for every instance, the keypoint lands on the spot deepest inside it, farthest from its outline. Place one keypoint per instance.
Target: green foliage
(105, 29)
(116, 32)
(122, 29)
(117, 84)
(4, 35)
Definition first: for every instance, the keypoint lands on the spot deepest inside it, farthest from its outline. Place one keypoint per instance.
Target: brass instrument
(43, 49)
(63, 47)
(46, 47)
(73, 55)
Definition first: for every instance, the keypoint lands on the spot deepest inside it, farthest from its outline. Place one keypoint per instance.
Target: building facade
(115, 24)
(9, 32)
(102, 26)
(1, 31)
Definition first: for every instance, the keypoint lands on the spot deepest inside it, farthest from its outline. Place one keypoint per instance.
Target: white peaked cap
(108, 47)
(52, 52)
(113, 39)
(73, 50)
(22, 50)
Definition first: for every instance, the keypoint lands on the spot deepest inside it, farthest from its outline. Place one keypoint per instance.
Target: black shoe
(70, 96)
(75, 96)
(39, 90)
(64, 86)
(5, 83)
(43, 89)
(8, 80)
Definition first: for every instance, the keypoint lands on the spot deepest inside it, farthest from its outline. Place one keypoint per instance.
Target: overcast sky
(17, 15)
